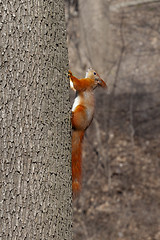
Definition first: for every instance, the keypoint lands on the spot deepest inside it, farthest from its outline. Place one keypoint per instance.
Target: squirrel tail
(77, 139)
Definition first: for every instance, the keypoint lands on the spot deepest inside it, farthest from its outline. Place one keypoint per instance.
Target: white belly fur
(76, 103)
(85, 99)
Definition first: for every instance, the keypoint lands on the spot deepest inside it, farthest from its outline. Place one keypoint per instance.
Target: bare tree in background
(92, 38)
(120, 194)
(94, 33)
(35, 122)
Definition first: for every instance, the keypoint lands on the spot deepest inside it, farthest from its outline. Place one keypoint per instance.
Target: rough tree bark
(35, 122)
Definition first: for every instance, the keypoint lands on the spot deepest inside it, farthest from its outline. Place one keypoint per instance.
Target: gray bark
(35, 122)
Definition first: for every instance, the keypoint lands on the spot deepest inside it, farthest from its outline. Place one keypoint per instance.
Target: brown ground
(120, 197)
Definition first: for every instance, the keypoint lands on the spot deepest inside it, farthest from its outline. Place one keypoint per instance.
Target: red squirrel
(82, 115)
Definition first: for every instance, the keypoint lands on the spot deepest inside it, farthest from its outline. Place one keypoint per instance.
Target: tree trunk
(35, 122)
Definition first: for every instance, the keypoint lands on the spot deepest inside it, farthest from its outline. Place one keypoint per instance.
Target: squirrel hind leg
(79, 118)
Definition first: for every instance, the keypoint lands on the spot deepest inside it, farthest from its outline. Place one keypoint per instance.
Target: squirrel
(82, 115)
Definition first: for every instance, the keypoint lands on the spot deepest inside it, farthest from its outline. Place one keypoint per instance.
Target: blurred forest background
(120, 39)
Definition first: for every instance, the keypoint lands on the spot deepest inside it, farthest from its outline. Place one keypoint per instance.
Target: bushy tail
(77, 138)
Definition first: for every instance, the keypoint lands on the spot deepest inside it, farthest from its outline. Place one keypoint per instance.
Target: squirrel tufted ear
(88, 70)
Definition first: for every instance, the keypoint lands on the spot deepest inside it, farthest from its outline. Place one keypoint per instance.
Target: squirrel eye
(95, 73)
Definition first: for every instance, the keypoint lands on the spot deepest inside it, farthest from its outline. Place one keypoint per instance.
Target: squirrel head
(92, 74)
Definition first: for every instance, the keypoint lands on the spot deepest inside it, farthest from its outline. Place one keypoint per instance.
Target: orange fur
(77, 138)
(82, 115)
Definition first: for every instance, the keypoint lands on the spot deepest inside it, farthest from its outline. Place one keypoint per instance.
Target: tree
(121, 152)
(35, 122)
(95, 33)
